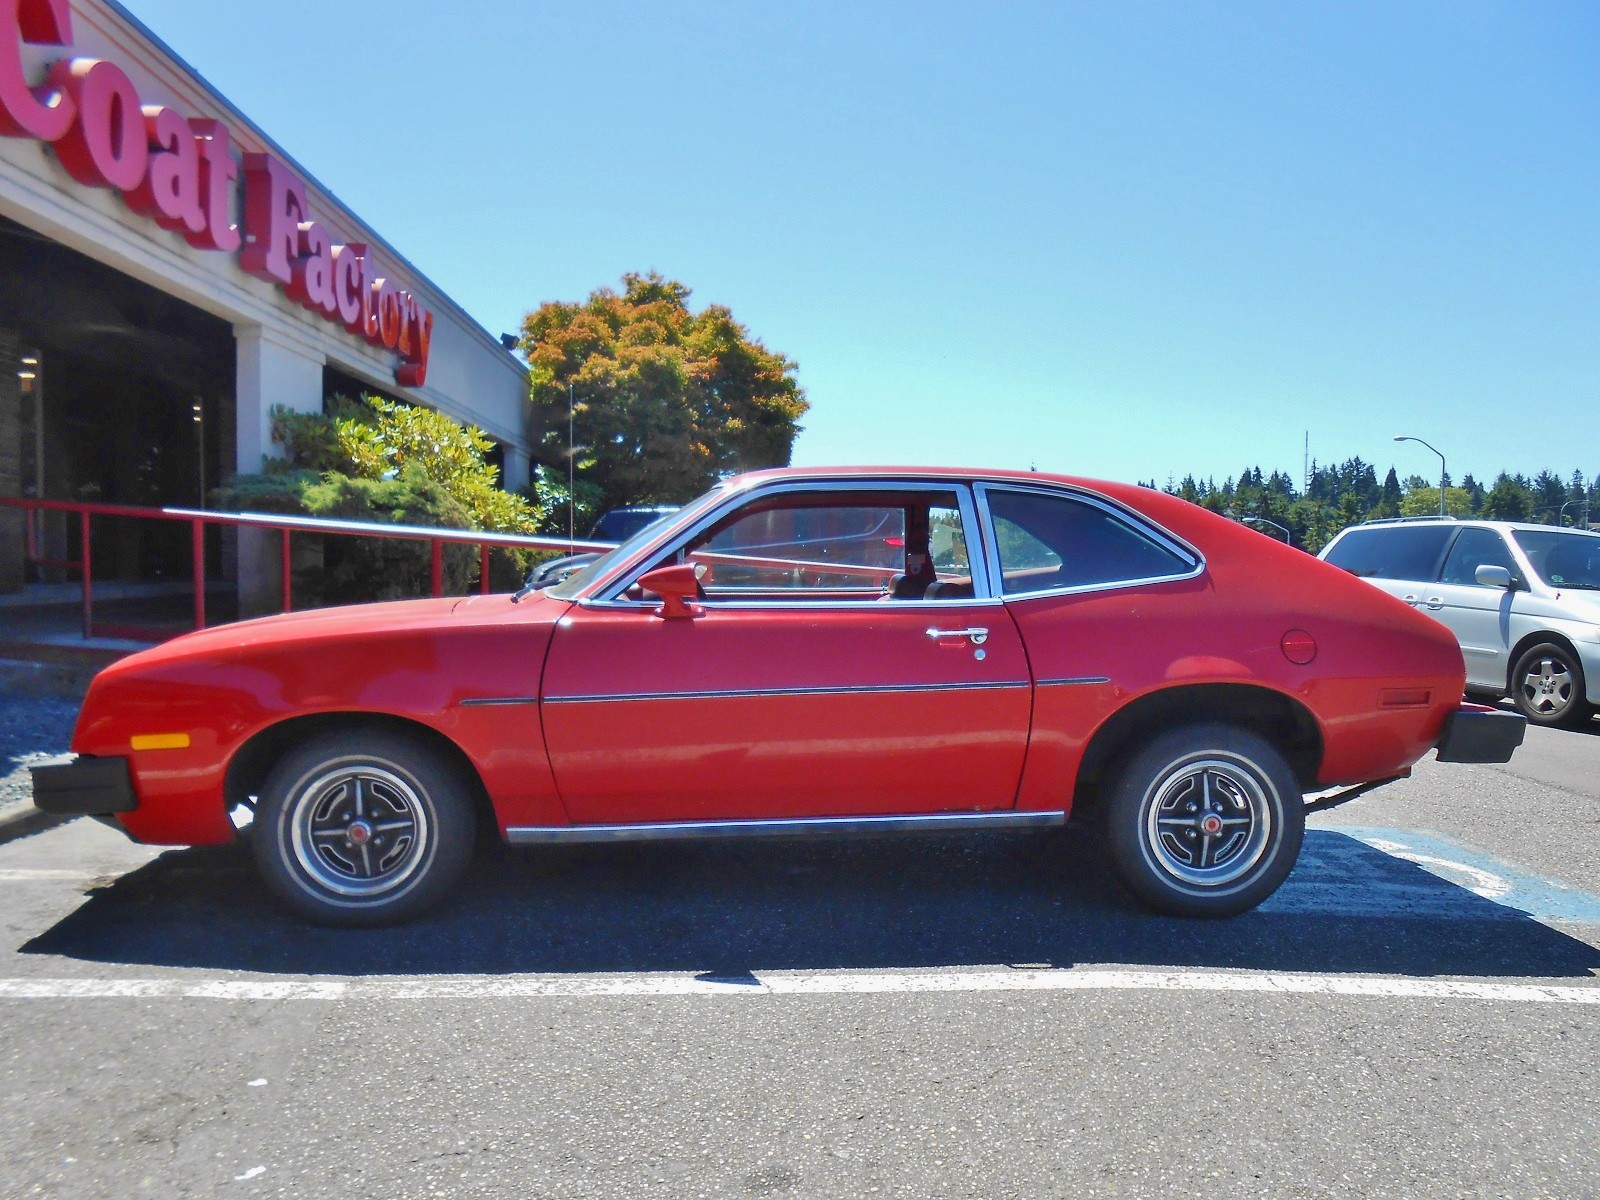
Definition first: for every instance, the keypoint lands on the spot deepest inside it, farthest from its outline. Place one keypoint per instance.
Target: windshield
(1562, 560)
(574, 583)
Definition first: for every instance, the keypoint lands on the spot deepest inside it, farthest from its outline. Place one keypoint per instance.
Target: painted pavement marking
(1398, 872)
(778, 984)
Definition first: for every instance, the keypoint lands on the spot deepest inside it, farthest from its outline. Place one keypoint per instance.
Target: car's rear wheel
(1205, 821)
(1548, 687)
(362, 827)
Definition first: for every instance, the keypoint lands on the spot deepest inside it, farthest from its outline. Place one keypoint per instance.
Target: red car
(800, 652)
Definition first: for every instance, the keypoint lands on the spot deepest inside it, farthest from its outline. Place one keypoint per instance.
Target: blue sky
(1123, 239)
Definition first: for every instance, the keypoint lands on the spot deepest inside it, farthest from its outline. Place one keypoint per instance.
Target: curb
(28, 821)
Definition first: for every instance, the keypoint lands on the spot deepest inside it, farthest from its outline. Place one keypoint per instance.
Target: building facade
(168, 274)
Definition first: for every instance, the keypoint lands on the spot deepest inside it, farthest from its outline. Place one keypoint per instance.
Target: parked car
(614, 525)
(1523, 600)
(800, 652)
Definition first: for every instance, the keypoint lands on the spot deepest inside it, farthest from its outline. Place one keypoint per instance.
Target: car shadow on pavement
(724, 909)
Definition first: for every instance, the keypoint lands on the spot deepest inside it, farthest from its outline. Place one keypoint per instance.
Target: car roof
(998, 475)
(1477, 522)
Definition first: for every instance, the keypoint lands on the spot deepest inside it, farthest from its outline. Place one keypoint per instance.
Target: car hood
(241, 638)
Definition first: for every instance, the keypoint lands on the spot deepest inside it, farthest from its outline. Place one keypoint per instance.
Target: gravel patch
(32, 728)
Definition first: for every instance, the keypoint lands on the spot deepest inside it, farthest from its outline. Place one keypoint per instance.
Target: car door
(1478, 615)
(815, 679)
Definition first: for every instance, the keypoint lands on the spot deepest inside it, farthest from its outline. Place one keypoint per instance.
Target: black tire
(1162, 804)
(1547, 686)
(362, 827)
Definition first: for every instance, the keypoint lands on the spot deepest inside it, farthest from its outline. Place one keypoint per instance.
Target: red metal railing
(286, 526)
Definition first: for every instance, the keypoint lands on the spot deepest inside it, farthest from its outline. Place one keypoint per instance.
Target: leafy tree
(1424, 502)
(664, 399)
(1507, 500)
(376, 460)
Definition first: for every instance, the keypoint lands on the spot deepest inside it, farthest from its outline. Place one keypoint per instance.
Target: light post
(572, 468)
(1442, 474)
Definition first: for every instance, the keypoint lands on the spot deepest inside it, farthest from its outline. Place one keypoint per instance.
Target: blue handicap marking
(1399, 872)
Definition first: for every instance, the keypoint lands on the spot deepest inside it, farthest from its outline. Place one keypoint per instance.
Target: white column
(514, 473)
(269, 371)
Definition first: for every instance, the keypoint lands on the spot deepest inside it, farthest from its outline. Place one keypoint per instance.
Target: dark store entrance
(110, 391)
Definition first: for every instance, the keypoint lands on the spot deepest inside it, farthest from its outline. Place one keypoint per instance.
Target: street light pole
(1442, 474)
(572, 467)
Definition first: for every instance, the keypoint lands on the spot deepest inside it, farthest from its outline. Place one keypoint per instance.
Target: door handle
(1436, 602)
(974, 635)
(1409, 599)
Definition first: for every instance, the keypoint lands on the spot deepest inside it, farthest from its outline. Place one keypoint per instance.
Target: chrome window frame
(1156, 533)
(609, 594)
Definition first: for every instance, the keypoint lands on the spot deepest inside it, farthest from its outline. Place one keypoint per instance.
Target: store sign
(181, 173)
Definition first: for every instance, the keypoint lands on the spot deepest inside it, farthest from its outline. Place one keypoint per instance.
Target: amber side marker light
(159, 741)
(1406, 697)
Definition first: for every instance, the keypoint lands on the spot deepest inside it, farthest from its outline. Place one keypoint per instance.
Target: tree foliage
(1338, 495)
(665, 399)
(379, 461)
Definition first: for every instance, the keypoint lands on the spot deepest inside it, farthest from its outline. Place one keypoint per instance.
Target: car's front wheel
(1548, 687)
(362, 827)
(1205, 821)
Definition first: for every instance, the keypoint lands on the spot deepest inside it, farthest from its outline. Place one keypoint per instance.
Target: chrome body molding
(1075, 681)
(534, 835)
(756, 693)
(478, 701)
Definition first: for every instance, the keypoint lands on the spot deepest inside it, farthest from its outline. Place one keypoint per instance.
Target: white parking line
(793, 984)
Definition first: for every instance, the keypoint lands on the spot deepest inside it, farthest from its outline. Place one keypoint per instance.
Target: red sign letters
(181, 173)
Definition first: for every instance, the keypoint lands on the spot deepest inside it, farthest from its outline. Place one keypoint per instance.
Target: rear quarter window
(1394, 552)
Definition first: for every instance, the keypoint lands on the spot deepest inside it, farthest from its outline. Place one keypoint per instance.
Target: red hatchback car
(800, 652)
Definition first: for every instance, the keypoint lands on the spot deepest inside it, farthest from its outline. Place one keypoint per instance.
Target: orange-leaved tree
(666, 399)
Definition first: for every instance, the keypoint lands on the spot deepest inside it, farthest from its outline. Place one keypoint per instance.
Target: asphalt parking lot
(1417, 1013)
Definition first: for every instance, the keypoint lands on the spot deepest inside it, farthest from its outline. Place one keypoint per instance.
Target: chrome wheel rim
(359, 831)
(1547, 687)
(1207, 822)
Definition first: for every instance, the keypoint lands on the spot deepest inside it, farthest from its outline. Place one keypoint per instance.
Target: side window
(1475, 548)
(827, 547)
(1392, 551)
(1047, 541)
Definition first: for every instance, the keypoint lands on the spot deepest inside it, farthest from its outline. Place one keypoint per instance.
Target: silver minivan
(1523, 601)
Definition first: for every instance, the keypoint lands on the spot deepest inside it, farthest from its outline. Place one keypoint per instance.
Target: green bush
(378, 461)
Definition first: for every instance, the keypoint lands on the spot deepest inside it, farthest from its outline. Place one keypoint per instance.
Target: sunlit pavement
(1416, 1013)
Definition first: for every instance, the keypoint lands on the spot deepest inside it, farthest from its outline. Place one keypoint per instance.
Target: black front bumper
(84, 787)
(1475, 733)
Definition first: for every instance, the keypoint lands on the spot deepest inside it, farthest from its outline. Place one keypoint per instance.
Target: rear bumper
(1475, 733)
(84, 787)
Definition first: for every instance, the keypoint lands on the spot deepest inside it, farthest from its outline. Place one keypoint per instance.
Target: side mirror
(678, 588)
(1492, 576)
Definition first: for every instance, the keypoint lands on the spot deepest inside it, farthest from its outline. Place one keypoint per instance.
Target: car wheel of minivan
(1548, 687)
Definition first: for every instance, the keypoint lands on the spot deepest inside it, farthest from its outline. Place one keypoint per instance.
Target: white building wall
(470, 375)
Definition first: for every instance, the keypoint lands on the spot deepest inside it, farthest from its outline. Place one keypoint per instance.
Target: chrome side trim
(534, 835)
(886, 606)
(482, 701)
(1074, 681)
(754, 693)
